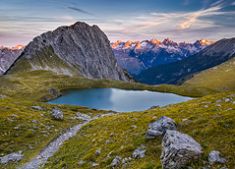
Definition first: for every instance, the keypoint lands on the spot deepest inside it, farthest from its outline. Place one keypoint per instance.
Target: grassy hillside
(210, 120)
(219, 78)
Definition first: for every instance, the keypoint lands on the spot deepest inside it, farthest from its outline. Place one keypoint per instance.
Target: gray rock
(116, 162)
(215, 157)
(54, 93)
(39, 108)
(126, 160)
(94, 164)
(2, 96)
(13, 157)
(98, 152)
(159, 127)
(139, 152)
(178, 150)
(82, 116)
(81, 163)
(57, 114)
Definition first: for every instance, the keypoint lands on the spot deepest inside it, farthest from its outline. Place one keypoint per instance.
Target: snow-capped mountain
(135, 56)
(8, 56)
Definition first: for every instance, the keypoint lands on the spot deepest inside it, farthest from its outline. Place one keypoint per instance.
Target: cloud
(79, 10)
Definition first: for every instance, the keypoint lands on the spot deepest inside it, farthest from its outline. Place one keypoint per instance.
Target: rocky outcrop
(159, 127)
(178, 150)
(13, 157)
(73, 50)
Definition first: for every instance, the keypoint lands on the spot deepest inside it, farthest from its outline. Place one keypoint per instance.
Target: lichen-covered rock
(116, 162)
(82, 116)
(159, 127)
(13, 157)
(57, 114)
(178, 150)
(139, 152)
(215, 157)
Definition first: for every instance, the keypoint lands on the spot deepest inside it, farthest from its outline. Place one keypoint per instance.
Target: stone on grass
(139, 152)
(159, 127)
(215, 157)
(178, 150)
(98, 152)
(39, 108)
(116, 161)
(57, 114)
(81, 116)
(13, 157)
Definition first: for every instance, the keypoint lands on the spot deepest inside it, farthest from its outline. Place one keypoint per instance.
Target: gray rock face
(7, 58)
(215, 157)
(159, 127)
(178, 150)
(57, 114)
(139, 152)
(13, 157)
(73, 50)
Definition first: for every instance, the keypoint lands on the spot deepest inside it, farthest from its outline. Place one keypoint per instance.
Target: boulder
(159, 127)
(13, 157)
(178, 150)
(57, 114)
(81, 116)
(139, 152)
(215, 157)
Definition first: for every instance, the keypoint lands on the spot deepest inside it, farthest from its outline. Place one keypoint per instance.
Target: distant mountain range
(178, 72)
(8, 56)
(136, 56)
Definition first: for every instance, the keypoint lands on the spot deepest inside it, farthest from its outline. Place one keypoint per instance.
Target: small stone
(57, 114)
(159, 127)
(215, 157)
(13, 157)
(116, 161)
(206, 106)
(227, 100)
(139, 152)
(39, 108)
(81, 162)
(126, 160)
(94, 164)
(98, 152)
(134, 126)
(34, 121)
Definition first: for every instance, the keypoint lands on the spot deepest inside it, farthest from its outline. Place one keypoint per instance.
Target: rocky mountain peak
(78, 49)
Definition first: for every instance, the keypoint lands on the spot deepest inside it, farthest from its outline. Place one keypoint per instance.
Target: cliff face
(78, 49)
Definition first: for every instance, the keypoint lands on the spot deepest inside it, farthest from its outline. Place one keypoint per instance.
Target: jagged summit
(78, 49)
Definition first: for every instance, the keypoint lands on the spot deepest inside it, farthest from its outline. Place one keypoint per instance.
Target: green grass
(219, 78)
(213, 127)
(20, 133)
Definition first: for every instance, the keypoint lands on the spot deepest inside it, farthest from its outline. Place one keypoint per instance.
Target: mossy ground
(209, 121)
(213, 127)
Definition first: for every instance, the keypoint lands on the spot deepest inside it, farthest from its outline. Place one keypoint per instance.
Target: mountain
(8, 56)
(78, 49)
(136, 56)
(180, 71)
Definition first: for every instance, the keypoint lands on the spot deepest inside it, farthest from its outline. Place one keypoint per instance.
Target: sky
(179, 20)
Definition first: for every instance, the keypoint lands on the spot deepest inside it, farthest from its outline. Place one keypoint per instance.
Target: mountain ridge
(178, 72)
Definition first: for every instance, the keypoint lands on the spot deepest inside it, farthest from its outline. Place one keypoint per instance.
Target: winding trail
(41, 159)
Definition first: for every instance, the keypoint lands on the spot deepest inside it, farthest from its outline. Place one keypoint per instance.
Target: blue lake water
(118, 99)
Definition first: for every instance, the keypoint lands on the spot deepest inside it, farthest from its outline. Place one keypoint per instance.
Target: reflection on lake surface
(118, 99)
